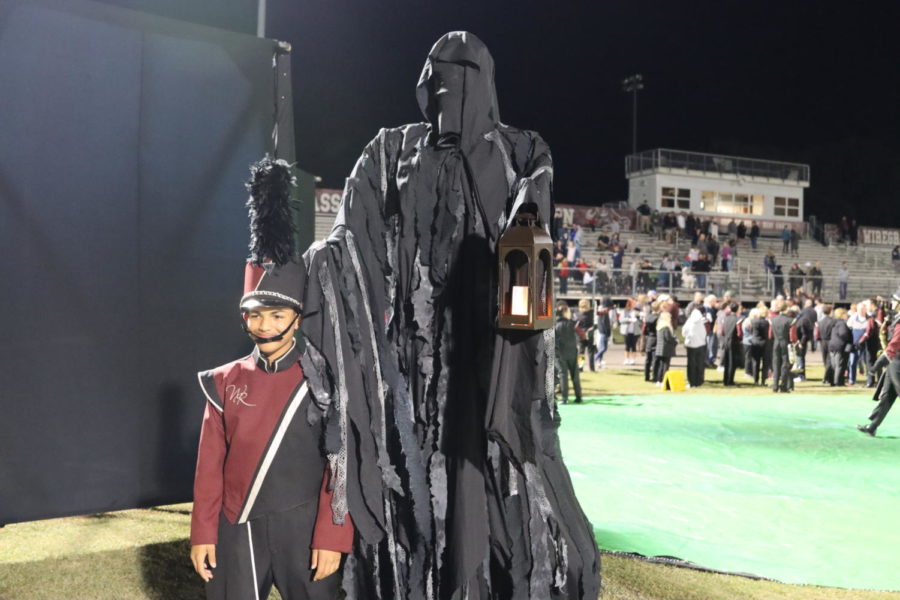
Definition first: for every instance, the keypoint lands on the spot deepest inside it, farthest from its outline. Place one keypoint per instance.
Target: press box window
(787, 207)
(676, 198)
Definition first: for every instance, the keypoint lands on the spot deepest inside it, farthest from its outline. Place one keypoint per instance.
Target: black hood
(456, 89)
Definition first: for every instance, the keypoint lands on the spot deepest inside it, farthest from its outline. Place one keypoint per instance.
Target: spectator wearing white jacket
(694, 332)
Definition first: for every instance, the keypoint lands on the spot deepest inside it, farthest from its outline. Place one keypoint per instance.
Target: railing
(713, 163)
(747, 286)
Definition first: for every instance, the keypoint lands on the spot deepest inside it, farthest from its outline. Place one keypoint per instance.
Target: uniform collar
(281, 364)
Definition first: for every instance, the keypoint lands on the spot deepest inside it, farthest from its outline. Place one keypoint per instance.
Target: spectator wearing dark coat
(665, 345)
(731, 342)
(567, 353)
(840, 342)
(823, 334)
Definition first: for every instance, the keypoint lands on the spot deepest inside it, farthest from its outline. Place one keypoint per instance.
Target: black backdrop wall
(124, 143)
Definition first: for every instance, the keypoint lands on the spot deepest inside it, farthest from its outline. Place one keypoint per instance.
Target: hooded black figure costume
(441, 429)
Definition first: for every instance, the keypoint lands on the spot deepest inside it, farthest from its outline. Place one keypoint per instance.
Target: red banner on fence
(879, 236)
(604, 217)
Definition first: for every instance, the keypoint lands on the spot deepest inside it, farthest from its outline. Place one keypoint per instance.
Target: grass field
(143, 554)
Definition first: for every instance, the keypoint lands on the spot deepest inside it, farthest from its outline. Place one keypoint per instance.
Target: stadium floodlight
(633, 84)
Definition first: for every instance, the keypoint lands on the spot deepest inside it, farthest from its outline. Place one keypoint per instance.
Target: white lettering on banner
(328, 201)
(879, 237)
(568, 214)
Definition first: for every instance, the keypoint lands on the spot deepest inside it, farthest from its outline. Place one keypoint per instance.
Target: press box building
(721, 187)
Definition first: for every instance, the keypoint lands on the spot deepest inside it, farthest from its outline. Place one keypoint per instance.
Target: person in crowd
(732, 229)
(759, 339)
(578, 240)
(730, 331)
(840, 342)
(870, 343)
(694, 333)
(769, 262)
(785, 240)
(656, 224)
(805, 328)
(603, 330)
(844, 230)
(795, 243)
(701, 268)
(691, 227)
(895, 258)
(726, 256)
(823, 334)
(562, 271)
(588, 276)
(665, 345)
(858, 322)
(814, 276)
(710, 312)
(681, 223)
(567, 352)
(670, 227)
(754, 234)
(781, 334)
(643, 212)
(854, 233)
(889, 387)
(843, 278)
(747, 342)
(714, 249)
(618, 256)
(558, 224)
(703, 244)
(649, 330)
(603, 242)
(778, 280)
(795, 279)
(585, 329)
(666, 267)
(630, 328)
(603, 275)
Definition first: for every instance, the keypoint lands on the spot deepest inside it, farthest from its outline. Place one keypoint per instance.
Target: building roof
(663, 160)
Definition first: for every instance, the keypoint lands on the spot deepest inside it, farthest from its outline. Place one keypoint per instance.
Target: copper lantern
(526, 276)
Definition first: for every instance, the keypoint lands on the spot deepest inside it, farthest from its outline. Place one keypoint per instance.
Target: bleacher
(871, 269)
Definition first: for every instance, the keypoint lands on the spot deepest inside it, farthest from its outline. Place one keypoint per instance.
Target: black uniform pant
(649, 371)
(757, 364)
(660, 366)
(569, 368)
(781, 368)
(729, 365)
(889, 391)
(839, 365)
(802, 347)
(748, 360)
(271, 549)
(828, 377)
(696, 365)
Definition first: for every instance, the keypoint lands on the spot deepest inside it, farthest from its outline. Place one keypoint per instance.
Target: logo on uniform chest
(237, 395)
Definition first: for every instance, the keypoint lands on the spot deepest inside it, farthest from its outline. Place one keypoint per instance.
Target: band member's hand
(200, 555)
(324, 563)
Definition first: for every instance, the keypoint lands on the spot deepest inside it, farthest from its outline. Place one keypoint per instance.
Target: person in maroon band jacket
(889, 386)
(262, 506)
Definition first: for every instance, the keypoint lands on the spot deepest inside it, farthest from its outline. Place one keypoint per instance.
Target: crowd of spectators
(768, 342)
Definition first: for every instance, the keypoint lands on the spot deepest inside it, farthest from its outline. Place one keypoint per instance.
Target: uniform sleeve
(209, 478)
(327, 535)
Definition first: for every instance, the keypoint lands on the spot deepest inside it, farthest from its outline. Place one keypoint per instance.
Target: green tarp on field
(780, 486)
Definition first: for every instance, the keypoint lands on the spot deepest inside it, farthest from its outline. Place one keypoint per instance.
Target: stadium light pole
(261, 18)
(633, 84)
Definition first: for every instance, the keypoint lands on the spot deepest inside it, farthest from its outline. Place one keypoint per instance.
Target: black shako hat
(274, 275)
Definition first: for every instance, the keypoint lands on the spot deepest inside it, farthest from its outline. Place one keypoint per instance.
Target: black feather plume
(271, 228)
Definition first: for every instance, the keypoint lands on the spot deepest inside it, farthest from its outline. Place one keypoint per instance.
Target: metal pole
(634, 122)
(261, 18)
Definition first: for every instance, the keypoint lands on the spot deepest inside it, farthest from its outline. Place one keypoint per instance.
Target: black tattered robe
(442, 430)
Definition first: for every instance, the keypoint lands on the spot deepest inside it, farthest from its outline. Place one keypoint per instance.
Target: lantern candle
(520, 300)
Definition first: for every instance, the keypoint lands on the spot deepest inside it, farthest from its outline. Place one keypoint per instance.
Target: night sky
(813, 81)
